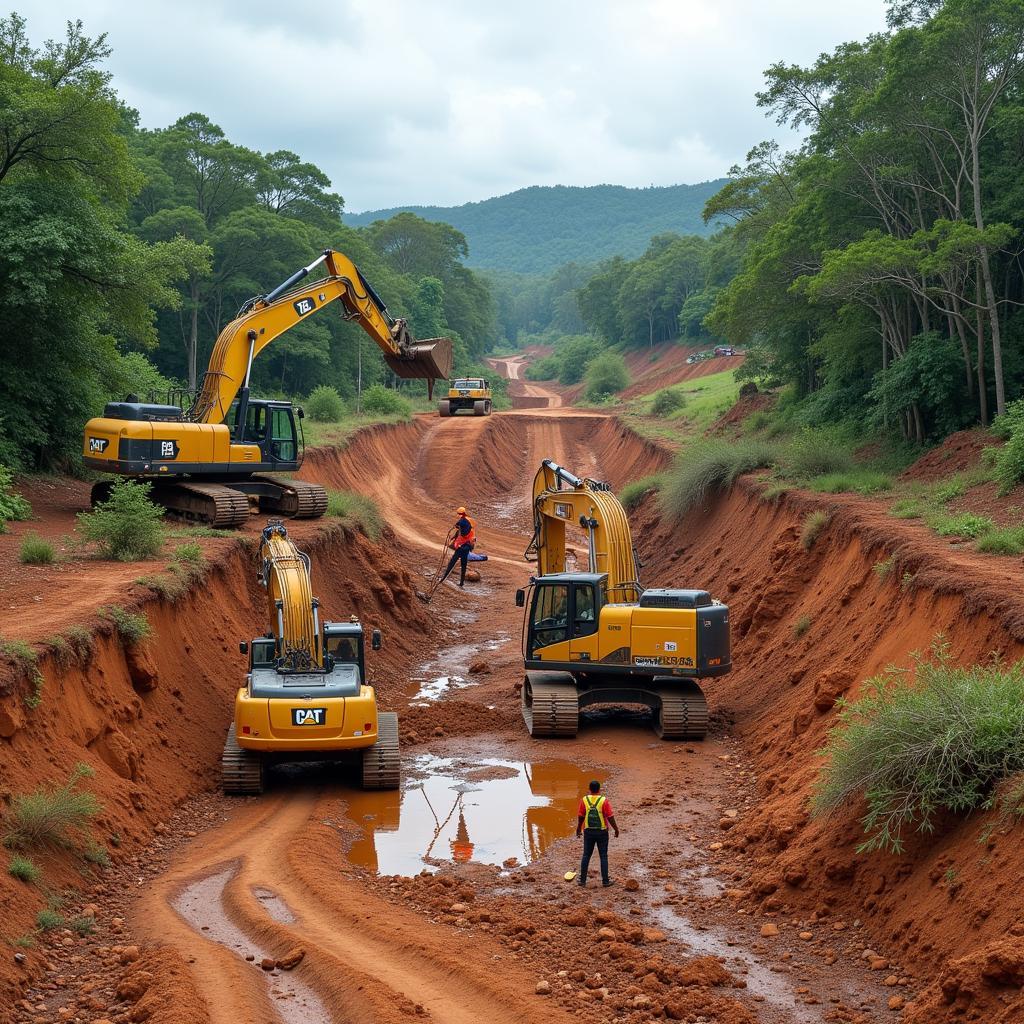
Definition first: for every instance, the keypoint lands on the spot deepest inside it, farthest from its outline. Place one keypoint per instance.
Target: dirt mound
(808, 628)
(959, 452)
(746, 405)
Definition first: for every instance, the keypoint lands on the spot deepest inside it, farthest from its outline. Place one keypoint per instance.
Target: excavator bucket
(428, 360)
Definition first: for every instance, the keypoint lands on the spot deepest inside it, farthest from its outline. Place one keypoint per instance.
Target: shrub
(1002, 541)
(47, 920)
(667, 401)
(959, 524)
(801, 626)
(1006, 425)
(814, 523)
(356, 509)
(882, 569)
(324, 405)
(46, 815)
(814, 453)
(381, 401)
(81, 640)
(35, 550)
(26, 659)
(606, 374)
(126, 526)
(94, 853)
(189, 555)
(83, 924)
(1008, 461)
(131, 628)
(12, 506)
(707, 467)
(912, 751)
(23, 869)
(633, 493)
(858, 480)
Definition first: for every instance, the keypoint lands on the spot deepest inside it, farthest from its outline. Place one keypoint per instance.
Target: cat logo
(98, 445)
(308, 716)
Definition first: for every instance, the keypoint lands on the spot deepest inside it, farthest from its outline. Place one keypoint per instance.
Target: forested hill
(537, 229)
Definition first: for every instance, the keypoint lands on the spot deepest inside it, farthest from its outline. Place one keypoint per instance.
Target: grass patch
(47, 920)
(25, 941)
(357, 510)
(857, 480)
(35, 550)
(199, 531)
(26, 660)
(882, 569)
(24, 869)
(816, 453)
(82, 925)
(958, 524)
(774, 491)
(813, 524)
(47, 816)
(131, 627)
(907, 508)
(96, 853)
(667, 401)
(912, 750)
(634, 493)
(801, 626)
(12, 505)
(1008, 540)
(126, 527)
(708, 467)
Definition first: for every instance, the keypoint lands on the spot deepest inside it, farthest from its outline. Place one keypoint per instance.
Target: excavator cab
(565, 609)
(270, 425)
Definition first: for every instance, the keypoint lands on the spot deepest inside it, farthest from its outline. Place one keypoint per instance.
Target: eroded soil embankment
(808, 628)
(150, 719)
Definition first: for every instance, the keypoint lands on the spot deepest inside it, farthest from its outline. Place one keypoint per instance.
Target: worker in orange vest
(465, 539)
(595, 815)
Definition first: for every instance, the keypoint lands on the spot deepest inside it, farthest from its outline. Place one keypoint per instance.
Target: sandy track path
(539, 395)
(366, 960)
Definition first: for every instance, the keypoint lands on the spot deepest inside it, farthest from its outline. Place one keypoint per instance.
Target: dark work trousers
(462, 553)
(594, 837)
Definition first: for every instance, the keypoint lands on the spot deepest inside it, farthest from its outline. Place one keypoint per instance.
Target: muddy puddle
(201, 905)
(485, 811)
(449, 670)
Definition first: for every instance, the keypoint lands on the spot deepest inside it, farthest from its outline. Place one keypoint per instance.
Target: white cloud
(405, 102)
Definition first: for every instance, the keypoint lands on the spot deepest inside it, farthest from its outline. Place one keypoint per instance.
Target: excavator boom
(285, 572)
(268, 317)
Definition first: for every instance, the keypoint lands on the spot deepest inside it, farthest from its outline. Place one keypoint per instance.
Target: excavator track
(381, 762)
(216, 505)
(241, 771)
(296, 499)
(683, 714)
(550, 704)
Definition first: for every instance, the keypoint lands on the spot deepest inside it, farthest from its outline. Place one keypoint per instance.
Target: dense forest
(535, 230)
(126, 251)
(881, 273)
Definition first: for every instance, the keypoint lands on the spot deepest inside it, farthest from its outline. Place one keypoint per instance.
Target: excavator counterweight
(600, 637)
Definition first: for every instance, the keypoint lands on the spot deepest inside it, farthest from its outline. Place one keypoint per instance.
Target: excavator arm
(294, 612)
(266, 318)
(561, 498)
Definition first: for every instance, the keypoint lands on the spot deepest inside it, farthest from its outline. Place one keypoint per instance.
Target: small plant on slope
(47, 815)
(126, 526)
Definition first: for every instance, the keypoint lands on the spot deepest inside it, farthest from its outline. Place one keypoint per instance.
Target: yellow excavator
(599, 637)
(206, 462)
(305, 697)
(467, 394)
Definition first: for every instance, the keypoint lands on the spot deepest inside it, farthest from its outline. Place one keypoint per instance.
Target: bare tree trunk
(982, 390)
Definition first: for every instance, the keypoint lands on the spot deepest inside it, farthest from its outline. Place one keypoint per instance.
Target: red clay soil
(730, 422)
(957, 453)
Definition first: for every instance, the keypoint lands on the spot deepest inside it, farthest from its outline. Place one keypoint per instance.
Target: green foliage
(958, 524)
(357, 510)
(126, 526)
(1009, 460)
(48, 920)
(634, 493)
(35, 550)
(915, 749)
(884, 567)
(131, 627)
(667, 401)
(569, 361)
(24, 869)
(813, 524)
(324, 405)
(82, 925)
(1011, 422)
(381, 401)
(1002, 541)
(817, 453)
(49, 814)
(190, 555)
(801, 626)
(858, 479)
(708, 467)
(12, 506)
(96, 853)
(606, 375)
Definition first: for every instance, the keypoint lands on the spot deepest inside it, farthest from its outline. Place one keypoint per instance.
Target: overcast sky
(447, 101)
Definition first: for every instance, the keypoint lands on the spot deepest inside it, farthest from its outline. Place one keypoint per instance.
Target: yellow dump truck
(467, 394)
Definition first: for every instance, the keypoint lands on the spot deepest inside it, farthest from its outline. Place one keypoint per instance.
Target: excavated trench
(291, 869)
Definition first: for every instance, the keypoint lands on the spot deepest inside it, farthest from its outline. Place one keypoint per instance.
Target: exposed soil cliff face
(943, 905)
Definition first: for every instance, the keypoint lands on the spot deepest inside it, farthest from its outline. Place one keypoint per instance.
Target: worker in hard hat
(594, 818)
(465, 537)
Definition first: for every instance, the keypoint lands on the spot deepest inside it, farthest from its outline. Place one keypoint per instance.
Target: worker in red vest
(595, 815)
(465, 539)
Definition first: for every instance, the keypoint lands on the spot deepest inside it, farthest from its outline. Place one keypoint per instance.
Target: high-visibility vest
(470, 537)
(594, 818)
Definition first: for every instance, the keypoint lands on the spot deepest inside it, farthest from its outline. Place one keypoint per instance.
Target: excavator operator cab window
(282, 435)
(344, 649)
(255, 423)
(262, 653)
(549, 623)
(584, 620)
